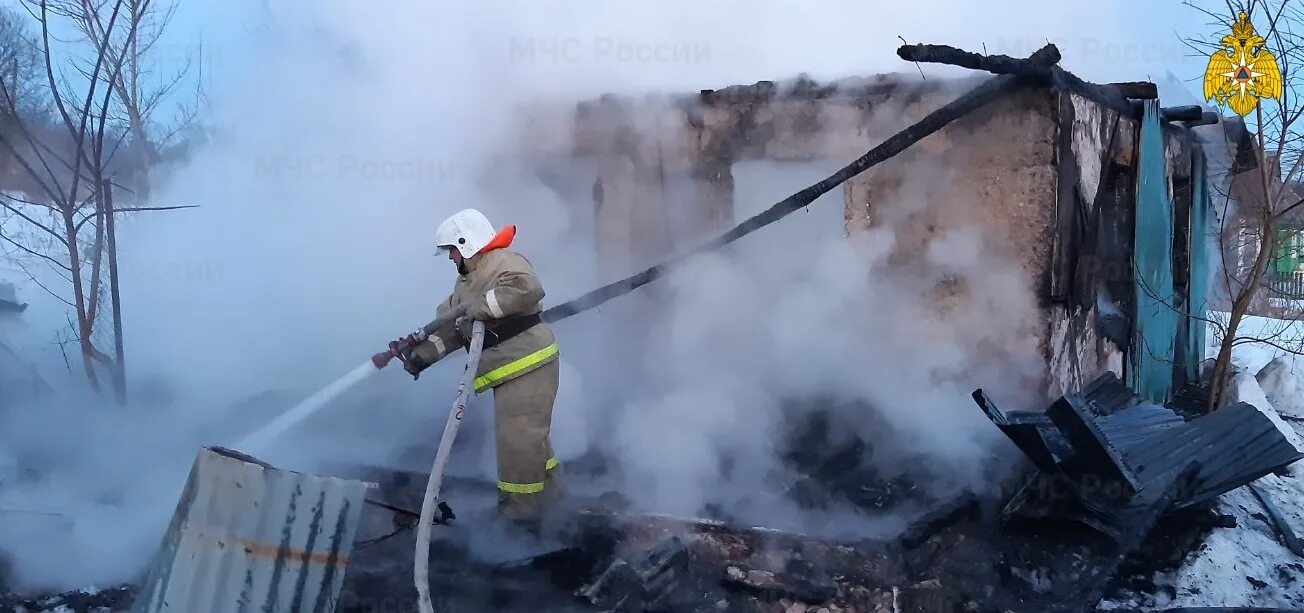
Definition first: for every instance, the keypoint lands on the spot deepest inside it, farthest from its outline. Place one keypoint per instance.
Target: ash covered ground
(953, 553)
(950, 549)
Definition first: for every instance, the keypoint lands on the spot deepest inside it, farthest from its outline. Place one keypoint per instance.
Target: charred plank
(642, 580)
(1288, 537)
(1136, 90)
(1207, 118)
(1181, 113)
(1034, 65)
(934, 521)
(800, 581)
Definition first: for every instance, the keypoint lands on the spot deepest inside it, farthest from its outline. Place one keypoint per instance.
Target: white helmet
(468, 230)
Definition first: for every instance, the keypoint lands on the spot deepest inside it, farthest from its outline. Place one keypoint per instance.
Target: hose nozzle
(381, 360)
(401, 349)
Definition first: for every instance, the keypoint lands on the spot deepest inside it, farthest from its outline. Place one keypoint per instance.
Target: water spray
(401, 349)
(259, 439)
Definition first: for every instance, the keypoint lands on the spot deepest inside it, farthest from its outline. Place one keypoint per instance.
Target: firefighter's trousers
(528, 472)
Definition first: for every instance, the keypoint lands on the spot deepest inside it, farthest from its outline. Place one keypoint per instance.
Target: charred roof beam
(1043, 66)
(1136, 90)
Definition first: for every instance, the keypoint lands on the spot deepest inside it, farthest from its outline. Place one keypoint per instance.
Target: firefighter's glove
(414, 365)
(464, 324)
(478, 310)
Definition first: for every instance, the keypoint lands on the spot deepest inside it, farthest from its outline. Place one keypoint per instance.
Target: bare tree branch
(98, 101)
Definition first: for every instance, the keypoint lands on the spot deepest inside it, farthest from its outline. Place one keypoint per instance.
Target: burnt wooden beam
(976, 98)
(1206, 119)
(643, 580)
(1181, 113)
(1041, 64)
(1064, 80)
(768, 91)
(1136, 90)
(1033, 65)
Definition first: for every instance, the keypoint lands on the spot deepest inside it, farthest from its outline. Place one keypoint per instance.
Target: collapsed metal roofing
(1104, 447)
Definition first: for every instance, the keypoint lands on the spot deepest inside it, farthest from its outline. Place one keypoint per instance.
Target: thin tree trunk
(97, 260)
(1223, 365)
(120, 368)
(84, 326)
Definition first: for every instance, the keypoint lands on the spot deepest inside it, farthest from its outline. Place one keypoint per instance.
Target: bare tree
(144, 84)
(19, 62)
(1253, 206)
(65, 220)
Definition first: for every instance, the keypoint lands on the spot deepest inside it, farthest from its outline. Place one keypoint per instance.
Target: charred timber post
(976, 98)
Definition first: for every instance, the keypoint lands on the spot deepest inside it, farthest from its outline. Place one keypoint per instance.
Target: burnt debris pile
(833, 467)
(112, 599)
(1116, 490)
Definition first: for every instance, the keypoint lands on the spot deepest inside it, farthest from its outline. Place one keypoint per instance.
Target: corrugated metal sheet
(1108, 448)
(1031, 432)
(1233, 446)
(1150, 361)
(247, 536)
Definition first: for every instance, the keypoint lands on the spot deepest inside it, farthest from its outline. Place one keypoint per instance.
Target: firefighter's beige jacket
(502, 284)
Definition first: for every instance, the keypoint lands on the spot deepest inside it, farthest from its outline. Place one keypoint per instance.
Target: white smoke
(350, 129)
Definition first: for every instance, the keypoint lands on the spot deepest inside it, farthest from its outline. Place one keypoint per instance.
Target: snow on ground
(1283, 380)
(1247, 566)
(1254, 356)
(1248, 388)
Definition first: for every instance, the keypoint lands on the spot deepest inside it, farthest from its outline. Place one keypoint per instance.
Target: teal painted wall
(1154, 337)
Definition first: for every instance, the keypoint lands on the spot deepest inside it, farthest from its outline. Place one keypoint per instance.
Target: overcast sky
(727, 41)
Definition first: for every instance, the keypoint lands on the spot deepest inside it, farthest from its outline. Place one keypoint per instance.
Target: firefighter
(518, 361)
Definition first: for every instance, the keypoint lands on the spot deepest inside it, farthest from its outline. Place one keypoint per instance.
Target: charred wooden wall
(1091, 295)
(665, 180)
(992, 171)
(1090, 284)
(1036, 164)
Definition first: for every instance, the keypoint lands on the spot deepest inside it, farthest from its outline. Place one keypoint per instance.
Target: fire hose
(421, 565)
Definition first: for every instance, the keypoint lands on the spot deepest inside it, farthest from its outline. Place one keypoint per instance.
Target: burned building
(1095, 194)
